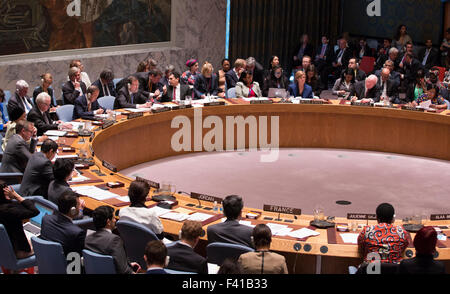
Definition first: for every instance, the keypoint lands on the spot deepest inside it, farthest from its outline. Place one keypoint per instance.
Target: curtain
(262, 28)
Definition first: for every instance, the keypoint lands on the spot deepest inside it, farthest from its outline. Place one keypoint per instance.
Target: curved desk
(132, 142)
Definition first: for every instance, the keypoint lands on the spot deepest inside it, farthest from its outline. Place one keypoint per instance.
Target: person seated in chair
(87, 106)
(366, 91)
(432, 95)
(175, 91)
(129, 96)
(73, 88)
(156, 258)
(105, 84)
(299, 88)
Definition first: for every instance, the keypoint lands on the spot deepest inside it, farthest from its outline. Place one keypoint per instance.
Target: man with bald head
(387, 86)
(367, 90)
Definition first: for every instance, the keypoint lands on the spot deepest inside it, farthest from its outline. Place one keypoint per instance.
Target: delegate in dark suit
(183, 258)
(359, 90)
(410, 70)
(69, 92)
(307, 91)
(110, 86)
(17, 102)
(11, 216)
(105, 242)
(125, 100)
(17, 154)
(421, 264)
(308, 50)
(185, 90)
(81, 110)
(432, 57)
(231, 79)
(391, 90)
(230, 231)
(42, 121)
(56, 189)
(39, 90)
(145, 87)
(59, 228)
(203, 86)
(37, 176)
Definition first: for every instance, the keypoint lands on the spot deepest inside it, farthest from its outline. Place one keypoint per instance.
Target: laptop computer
(33, 227)
(277, 93)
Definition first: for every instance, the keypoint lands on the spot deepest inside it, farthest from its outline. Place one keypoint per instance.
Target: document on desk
(94, 192)
(76, 125)
(283, 232)
(55, 133)
(425, 104)
(158, 211)
(138, 109)
(176, 216)
(200, 217)
(246, 223)
(349, 238)
(303, 233)
(123, 198)
(69, 156)
(275, 228)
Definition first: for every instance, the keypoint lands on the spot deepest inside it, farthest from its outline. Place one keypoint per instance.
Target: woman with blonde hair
(207, 83)
(299, 88)
(47, 81)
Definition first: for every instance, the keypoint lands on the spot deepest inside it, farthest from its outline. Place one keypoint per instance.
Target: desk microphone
(199, 203)
(278, 219)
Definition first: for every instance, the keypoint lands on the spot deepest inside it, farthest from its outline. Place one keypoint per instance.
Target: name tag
(107, 124)
(261, 102)
(404, 107)
(151, 183)
(109, 166)
(436, 217)
(204, 197)
(282, 209)
(215, 103)
(355, 103)
(162, 109)
(134, 115)
(362, 216)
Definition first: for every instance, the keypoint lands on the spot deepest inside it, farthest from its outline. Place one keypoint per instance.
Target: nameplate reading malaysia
(215, 103)
(162, 109)
(204, 197)
(109, 166)
(362, 216)
(151, 183)
(312, 101)
(281, 209)
(107, 124)
(355, 103)
(134, 115)
(261, 102)
(438, 217)
(404, 107)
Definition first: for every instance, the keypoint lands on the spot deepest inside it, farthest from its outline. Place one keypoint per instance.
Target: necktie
(132, 98)
(174, 94)
(106, 90)
(323, 50)
(424, 62)
(89, 107)
(46, 118)
(26, 104)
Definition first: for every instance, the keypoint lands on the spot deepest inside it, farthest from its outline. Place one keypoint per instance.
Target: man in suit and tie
(410, 68)
(323, 60)
(39, 171)
(342, 58)
(394, 75)
(40, 116)
(231, 231)
(103, 241)
(87, 106)
(20, 99)
(366, 91)
(156, 258)
(428, 56)
(359, 75)
(73, 88)
(105, 84)
(182, 254)
(18, 151)
(130, 97)
(233, 75)
(59, 227)
(150, 85)
(387, 87)
(176, 91)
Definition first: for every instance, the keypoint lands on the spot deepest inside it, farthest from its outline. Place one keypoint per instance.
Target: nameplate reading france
(281, 209)
(204, 197)
(438, 217)
(362, 216)
(151, 183)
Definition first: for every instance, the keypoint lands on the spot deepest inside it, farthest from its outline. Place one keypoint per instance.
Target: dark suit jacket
(421, 264)
(183, 258)
(359, 89)
(39, 90)
(156, 272)
(38, 119)
(185, 90)
(432, 57)
(232, 232)
(123, 99)
(11, 216)
(56, 189)
(231, 78)
(309, 50)
(37, 176)
(16, 102)
(411, 70)
(58, 228)
(104, 242)
(112, 91)
(329, 54)
(144, 87)
(307, 91)
(202, 87)
(17, 154)
(80, 109)
(69, 92)
(391, 90)
(345, 57)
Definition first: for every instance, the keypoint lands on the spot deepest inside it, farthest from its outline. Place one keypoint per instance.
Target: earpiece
(73, 211)
(167, 261)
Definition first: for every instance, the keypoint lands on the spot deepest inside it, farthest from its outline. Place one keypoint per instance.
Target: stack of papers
(245, 223)
(139, 109)
(255, 98)
(55, 133)
(350, 238)
(199, 217)
(303, 233)
(179, 217)
(94, 192)
(275, 228)
(158, 211)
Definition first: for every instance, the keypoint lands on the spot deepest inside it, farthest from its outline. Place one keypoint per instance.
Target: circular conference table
(130, 142)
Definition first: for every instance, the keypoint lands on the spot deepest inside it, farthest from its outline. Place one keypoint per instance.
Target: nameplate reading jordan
(362, 216)
(356, 103)
(204, 197)
(162, 109)
(134, 115)
(438, 217)
(107, 124)
(215, 103)
(261, 102)
(109, 166)
(281, 209)
(151, 183)
(312, 101)
(404, 107)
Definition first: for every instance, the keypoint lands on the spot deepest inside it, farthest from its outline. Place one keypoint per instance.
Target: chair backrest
(217, 252)
(115, 81)
(135, 237)
(11, 178)
(231, 93)
(367, 64)
(49, 256)
(7, 256)
(65, 112)
(41, 200)
(95, 263)
(107, 102)
(7, 97)
(174, 272)
(448, 104)
(441, 73)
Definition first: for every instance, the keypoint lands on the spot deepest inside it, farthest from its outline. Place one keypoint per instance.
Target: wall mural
(45, 25)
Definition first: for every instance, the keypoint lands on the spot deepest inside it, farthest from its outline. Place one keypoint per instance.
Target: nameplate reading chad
(204, 197)
(281, 209)
(362, 216)
(151, 183)
(438, 217)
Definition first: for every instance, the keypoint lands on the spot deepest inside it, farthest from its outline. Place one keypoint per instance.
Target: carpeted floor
(306, 178)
